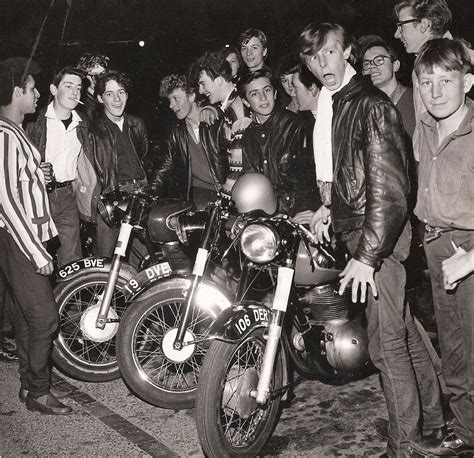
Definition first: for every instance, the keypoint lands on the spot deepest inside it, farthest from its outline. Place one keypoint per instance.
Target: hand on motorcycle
(361, 274)
(320, 224)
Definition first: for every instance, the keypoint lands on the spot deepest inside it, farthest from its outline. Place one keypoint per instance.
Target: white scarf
(322, 132)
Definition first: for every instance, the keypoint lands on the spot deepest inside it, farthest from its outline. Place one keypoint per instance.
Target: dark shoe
(8, 357)
(47, 404)
(449, 445)
(59, 392)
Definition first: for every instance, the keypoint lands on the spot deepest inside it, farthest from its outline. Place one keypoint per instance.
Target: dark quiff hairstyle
(247, 78)
(14, 72)
(248, 34)
(366, 42)
(450, 55)
(289, 65)
(228, 50)
(307, 78)
(214, 63)
(314, 36)
(175, 81)
(88, 61)
(436, 11)
(102, 80)
(58, 76)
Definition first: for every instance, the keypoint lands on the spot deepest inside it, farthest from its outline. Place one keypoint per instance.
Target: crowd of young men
(346, 167)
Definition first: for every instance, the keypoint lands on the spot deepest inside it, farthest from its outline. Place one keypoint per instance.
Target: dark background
(177, 31)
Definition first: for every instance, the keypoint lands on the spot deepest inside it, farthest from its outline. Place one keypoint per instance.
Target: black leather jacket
(370, 179)
(173, 176)
(103, 146)
(281, 149)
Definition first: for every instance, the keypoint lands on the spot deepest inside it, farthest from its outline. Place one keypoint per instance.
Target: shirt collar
(51, 114)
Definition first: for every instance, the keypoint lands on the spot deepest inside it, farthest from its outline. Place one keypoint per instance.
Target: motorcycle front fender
(210, 296)
(237, 322)
(92, 265)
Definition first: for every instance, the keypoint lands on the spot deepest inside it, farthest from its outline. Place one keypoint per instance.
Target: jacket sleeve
(161, 174)
(307, 192)
(12, 212)
(387, 184)
(143, 139)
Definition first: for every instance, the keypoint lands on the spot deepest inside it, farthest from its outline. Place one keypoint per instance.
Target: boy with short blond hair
(445, 205)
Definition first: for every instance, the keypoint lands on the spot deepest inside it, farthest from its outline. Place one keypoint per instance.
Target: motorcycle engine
(345, 332)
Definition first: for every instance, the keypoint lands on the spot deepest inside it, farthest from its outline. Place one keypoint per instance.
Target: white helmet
(254, 191)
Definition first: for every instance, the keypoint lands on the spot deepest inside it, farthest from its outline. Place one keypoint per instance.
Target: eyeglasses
(408, 21)
(377, 61)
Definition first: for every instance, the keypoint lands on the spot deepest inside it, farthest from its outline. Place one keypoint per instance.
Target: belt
(433, 233)
(56, 185)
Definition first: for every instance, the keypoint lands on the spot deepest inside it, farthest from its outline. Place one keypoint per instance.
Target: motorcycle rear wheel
(74, 352)
(229, 422)
(152, 369)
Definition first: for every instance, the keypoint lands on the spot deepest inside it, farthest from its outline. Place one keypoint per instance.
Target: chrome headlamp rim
(260, 242)
(112, 206)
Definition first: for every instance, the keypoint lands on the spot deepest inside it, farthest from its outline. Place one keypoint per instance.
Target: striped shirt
(24, 207)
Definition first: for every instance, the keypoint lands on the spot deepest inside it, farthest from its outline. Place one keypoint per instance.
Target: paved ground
(322, 421)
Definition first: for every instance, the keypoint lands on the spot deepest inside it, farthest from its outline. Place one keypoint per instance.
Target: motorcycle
(162, 339)
(90, 291)
(245, 374)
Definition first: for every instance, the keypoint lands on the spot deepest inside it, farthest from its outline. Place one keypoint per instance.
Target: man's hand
(240, 125)
(47, 169)
(320, 224)
(361, 274)
(303, 217)
(455, 268)
(46, 270)
(208, 115)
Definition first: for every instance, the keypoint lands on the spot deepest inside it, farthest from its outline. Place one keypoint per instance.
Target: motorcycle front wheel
(80, 350)
(229, 421)
(150, 366)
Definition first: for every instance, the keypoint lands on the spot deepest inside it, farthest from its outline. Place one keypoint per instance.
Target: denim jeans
(409, 381)
(65, 215)
(454, 311)
(35, 316)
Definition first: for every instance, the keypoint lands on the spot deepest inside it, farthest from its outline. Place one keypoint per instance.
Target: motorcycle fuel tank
(315, 273)
(163, 217)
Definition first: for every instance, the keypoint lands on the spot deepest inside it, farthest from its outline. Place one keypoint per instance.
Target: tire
(145, 354)
(76, 353)
(231, 424)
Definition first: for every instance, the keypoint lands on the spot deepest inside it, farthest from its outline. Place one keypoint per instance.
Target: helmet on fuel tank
(254, 191)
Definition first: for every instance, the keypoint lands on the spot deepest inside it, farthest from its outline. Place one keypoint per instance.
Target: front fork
(199, 268)
(280, 304)
(119, 253)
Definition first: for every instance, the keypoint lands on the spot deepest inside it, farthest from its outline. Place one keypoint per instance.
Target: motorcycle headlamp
(112, 206)
(188, 224)
(259, 243)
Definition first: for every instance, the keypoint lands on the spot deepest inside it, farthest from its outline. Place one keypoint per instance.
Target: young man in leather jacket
(361, 168)
(276, 144)
(119, 143)
(186, 170)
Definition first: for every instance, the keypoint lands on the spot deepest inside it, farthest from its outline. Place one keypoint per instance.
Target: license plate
(145, 278)
(80, 264)
(249, 318)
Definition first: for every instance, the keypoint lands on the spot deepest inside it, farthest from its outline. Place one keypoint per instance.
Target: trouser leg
(35, 316)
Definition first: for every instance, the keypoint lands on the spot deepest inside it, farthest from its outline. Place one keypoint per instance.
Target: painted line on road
(116, 422)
